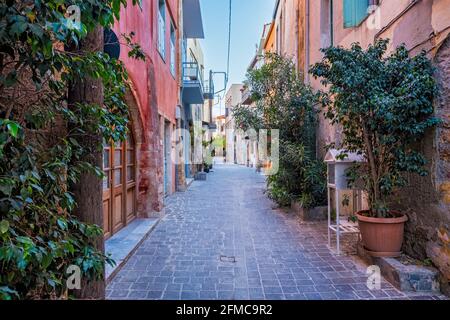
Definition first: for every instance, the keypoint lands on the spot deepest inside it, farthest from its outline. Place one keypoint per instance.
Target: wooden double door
(119, 185)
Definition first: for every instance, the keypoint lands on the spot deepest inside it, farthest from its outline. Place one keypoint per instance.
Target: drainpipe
(331, 23)
(307, 45)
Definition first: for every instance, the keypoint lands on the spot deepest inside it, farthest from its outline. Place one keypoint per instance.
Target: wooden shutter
(355, 11)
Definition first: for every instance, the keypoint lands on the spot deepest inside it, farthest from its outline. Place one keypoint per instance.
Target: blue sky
(249, 17)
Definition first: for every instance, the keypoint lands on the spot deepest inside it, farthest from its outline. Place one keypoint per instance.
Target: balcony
(209, 90)
(246, 96)
(193, 22)
(193, 92)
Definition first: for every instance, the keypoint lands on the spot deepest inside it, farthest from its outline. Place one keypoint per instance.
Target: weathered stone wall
(438, 246)
(147, 138)
(427, 199)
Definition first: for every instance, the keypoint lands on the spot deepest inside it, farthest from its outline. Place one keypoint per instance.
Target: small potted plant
(384, 105)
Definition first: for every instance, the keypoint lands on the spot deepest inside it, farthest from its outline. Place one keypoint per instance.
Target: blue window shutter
(355, 11)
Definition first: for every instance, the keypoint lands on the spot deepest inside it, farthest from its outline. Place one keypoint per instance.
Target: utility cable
(229, 42)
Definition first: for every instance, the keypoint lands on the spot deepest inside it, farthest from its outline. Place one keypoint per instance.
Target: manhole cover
(228, 259)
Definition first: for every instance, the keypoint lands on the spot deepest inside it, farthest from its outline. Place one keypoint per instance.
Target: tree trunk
(88, 191)
(373, 168)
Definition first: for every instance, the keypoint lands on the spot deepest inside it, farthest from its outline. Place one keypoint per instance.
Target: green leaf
(4, 226)
(19, 27)
(62, 224)
(13, 128)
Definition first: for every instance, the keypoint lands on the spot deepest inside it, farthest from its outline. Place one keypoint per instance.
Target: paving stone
(137, 294)
(313, 296)
(275, 296)
(272, 290)
(225, 295)
(190, 295)
(238, 247)
(328, 296)
(364, 294)
(289, 289)
(154, 295)
(172, 295)
(325, 288)
(208, 295)
(241, 294)
(139, 286)
(295, 296)
(119, 294)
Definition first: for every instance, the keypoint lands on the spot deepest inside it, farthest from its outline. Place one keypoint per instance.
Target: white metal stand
(338, 162)
(339, 227)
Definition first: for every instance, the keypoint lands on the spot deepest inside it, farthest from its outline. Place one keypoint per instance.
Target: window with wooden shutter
(355, 11)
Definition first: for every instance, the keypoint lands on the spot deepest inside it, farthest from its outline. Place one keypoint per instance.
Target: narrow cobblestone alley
(222, 240)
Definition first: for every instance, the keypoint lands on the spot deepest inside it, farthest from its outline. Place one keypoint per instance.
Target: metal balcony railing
(246, 96)
(208, 90)
(192, 74)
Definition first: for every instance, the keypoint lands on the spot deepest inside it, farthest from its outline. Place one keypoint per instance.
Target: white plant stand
(339, 226)
(337, 181)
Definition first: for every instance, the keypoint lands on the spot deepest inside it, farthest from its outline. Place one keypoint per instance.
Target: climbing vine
(40, 134)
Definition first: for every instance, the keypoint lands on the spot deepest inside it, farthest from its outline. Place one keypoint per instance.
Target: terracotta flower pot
(382, 237)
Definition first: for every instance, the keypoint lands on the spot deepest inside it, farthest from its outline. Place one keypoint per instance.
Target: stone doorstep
(313, 214)
(406, 278)
(122, 245)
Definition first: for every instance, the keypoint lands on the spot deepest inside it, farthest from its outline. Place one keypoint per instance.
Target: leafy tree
(384, 103)
(282, 101)
(41, 140)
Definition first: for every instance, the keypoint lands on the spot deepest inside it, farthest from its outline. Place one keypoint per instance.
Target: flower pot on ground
(382, 237)
(384, 105)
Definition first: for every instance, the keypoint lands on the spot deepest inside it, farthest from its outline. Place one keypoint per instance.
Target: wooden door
(119, 185)
(130, 178)
(107, 206)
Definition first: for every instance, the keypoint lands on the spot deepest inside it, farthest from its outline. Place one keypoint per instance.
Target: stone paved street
(222, 240)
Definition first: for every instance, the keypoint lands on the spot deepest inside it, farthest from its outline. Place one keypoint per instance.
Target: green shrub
(40, 152)
(284, 102)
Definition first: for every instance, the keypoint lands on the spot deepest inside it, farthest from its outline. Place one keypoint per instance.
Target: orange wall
(270, 42)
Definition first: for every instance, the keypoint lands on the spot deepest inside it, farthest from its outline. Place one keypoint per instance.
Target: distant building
(233, 98)
(140, 171)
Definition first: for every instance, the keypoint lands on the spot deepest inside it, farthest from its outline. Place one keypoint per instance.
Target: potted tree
(384, 105)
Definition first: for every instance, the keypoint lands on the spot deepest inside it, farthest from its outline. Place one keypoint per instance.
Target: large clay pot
(382, 237)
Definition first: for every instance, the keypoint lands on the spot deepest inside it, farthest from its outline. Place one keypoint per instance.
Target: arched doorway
(119, 185)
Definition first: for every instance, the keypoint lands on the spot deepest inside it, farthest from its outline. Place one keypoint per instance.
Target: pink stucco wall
(144, 24)
(156, 92)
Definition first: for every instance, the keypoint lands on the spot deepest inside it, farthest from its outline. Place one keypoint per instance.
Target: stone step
(405, 277)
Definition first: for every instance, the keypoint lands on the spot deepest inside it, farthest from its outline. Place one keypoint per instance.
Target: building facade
(234, 144)
(286, 35)
(420, 25)
(142, 171)
(192, 97)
